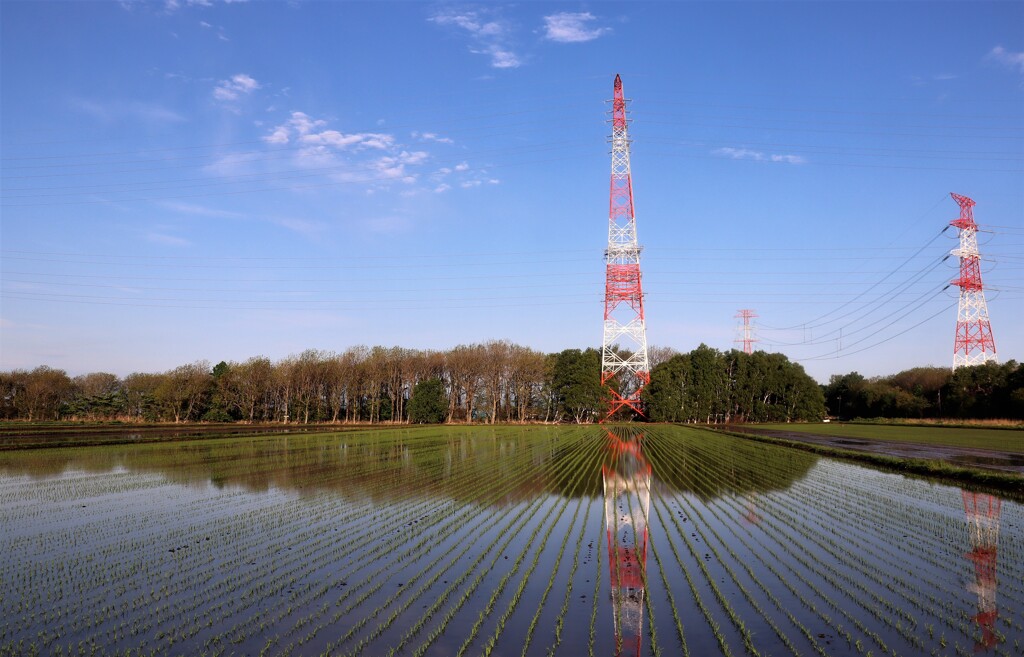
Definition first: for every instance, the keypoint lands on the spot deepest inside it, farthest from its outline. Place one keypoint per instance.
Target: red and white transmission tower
(626, 479)
(625, 369)
(982, 512)
(748, 338)
(974, 343)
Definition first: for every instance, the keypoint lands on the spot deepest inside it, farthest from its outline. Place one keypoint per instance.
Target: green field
(1005, 440)
(522, 541)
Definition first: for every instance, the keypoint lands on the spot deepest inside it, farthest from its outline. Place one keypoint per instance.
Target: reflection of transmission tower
(627, 501)
(983, 517)
(974, 343)
(748, 338)
(624, 370)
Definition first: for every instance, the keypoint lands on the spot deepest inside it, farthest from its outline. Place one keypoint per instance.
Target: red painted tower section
(974, 343)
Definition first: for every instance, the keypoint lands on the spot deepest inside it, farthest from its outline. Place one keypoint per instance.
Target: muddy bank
(964, 457)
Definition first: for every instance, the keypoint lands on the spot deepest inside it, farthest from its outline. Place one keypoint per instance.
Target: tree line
(991, 390)
(711, 386)
(498, 381)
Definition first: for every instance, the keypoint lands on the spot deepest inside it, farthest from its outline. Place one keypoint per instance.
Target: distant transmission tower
(974, 343)
(624, 366)
(748, 338)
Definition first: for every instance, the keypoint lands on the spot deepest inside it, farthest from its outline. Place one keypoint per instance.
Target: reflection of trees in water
(416, 463)
(409, 463)
(982, 513)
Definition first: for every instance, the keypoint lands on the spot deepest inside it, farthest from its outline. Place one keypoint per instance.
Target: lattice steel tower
(974, 343)
(748, 338)
(625, 369)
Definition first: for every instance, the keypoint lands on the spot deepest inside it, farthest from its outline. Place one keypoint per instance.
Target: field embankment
(980, 455)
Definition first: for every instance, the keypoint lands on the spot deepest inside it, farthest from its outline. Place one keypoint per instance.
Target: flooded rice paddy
(507, 541)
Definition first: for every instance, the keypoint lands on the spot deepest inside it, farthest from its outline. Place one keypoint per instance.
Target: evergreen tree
(428, 404)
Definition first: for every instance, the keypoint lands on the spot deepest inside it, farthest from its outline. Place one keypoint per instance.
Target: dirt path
(986, 459)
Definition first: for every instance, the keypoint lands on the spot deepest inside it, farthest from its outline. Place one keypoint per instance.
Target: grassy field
(1004, 440)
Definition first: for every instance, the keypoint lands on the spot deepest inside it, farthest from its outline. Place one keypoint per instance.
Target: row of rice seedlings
(407, 587)
(844, 549)
(760, 556)
(939, 534)
(547, 522)
(595, 597)
(560, 617)
(95, 584)
(841, 575)
(502, 620)
(703, 528)
(468, 592)
(911, 640)
(377, 548)
(950, 600)
(708, 468)
(928, 600)
(487, 495)
(289, 540)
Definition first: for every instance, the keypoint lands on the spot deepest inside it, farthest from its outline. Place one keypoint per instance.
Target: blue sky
(219, 180)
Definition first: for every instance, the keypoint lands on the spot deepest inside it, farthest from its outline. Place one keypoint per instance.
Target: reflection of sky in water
(246, 503)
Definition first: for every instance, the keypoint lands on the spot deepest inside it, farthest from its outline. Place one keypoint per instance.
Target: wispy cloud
(432, 136)
(388, 225)
(239, 85)
(757, 156)
(1013, 60)
(174, 5)
(112, 111)
(923, 80)
(199, 210)
(568, 27)
(303, 227)
(490, 35)
(168, 240)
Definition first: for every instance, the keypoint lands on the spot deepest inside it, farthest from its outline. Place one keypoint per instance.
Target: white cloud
(462, 166)
(789, 159)
(490, 36)
(239, 84)
(432, 136)
(758, 156)
(567, 27)
(205, 24)
(278, 136)
(443, 187)
(1014, 60)
(308, 131)
(470, 183)
(415, 157)
(501, 57)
